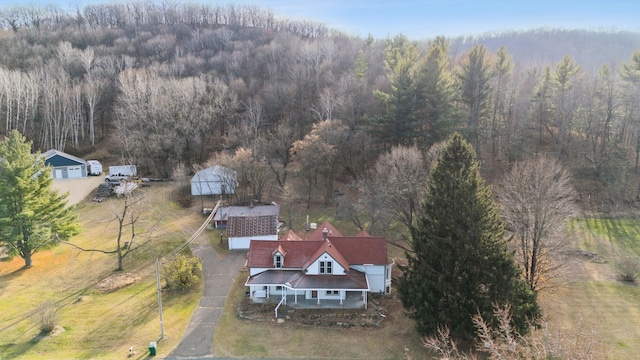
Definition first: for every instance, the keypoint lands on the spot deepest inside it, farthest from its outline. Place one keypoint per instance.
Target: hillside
(541, 47)
(165, 85)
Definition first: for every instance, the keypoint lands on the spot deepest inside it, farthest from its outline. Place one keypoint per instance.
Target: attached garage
(65, 166)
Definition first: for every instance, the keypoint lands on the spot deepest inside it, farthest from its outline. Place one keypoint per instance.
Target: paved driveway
(219, 274)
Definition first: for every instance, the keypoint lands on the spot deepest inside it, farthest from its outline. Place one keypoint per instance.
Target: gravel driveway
(78, 189)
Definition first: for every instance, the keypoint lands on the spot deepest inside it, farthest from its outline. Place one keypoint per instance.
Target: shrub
(628, 270)
(46, 316)
(183, 273)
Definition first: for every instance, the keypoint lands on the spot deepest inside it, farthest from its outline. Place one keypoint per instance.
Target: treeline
(167, 84)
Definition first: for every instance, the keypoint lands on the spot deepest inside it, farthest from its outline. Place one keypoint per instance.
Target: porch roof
(296, 280)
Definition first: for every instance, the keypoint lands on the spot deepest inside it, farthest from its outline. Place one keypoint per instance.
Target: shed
(65, 166)
(246, 223)
(215, 180)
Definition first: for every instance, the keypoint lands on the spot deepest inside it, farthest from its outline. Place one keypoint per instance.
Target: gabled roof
(363, 234)
(317, 234)
(327, 247)
(346, 250)
(290, 236)
(362, 250)
(298, 252)
(54, 158)
(215, 173)
(279, 250)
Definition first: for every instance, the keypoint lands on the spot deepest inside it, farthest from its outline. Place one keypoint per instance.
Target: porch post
(318, 296)
(295, 297)
(364, 296)
(341, 304)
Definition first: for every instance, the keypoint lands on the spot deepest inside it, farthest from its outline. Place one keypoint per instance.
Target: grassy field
(97, 324)
(592, 296)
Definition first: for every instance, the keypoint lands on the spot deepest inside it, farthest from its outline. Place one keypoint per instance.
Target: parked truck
(121, 172)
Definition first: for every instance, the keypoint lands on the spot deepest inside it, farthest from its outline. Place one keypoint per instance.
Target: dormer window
(277, 261)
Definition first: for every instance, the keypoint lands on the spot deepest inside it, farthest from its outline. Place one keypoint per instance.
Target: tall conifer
(460, 265)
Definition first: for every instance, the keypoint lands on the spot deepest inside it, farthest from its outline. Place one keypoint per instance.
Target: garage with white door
(65, 166)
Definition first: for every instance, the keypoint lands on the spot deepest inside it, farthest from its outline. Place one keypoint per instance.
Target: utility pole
(159, 298)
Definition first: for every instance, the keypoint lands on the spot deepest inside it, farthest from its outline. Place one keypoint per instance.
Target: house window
(278, 288)
(334, 292)
(278, 261)
(326, 267)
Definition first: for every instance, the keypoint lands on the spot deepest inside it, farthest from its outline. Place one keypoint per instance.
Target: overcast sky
(420, 19)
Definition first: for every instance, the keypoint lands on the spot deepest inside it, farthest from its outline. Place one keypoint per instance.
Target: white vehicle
(95, 168)
(121, 172)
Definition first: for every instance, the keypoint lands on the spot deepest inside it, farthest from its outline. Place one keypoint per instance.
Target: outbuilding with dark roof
(65, 166)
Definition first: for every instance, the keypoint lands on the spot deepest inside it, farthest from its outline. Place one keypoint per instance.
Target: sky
(423, 19)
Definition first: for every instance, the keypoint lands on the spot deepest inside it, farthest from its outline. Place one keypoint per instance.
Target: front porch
(353, 300)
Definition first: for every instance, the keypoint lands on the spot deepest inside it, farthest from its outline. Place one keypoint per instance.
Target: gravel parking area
(78, 189)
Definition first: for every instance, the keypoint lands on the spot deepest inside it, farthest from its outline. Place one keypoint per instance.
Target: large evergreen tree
(33, 217)
(460, 265)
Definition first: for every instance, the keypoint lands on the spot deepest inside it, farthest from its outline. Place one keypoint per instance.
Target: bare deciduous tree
(396, 183)
(130, 218)
(537, 199)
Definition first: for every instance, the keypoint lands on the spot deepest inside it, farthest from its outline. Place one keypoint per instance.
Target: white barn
(215, 180)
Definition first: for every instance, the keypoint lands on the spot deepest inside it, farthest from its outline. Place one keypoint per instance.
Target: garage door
(74, 172)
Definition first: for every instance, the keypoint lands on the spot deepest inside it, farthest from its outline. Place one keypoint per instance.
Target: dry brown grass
(97, 324)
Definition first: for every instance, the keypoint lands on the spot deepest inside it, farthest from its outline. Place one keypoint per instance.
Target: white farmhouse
(334, 271)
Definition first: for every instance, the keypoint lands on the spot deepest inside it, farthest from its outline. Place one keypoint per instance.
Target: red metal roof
(290, 236)
(353, 250)
(327, 247)
(317, 234)
(354, 280)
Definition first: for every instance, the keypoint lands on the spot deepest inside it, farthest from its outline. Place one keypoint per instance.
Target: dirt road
(78, 189)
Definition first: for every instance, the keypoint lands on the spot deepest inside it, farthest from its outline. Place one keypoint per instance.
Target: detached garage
(65, 166)
(216, 180)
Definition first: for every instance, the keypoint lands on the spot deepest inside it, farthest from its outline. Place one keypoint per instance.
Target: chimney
(325, 234)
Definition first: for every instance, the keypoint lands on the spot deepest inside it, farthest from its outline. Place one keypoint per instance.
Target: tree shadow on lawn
(9, 277)
(13, 349)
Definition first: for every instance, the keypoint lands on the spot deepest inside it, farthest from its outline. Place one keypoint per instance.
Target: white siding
(242, 243)
(336, 268)
(375, 275)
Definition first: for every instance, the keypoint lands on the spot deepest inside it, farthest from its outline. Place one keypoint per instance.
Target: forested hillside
(167, 84)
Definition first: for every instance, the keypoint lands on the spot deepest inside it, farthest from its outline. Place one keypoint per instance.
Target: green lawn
(97, 324)
(593, 296)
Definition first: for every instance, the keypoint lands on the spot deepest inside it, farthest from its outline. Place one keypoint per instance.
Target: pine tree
(460, 266)
(436, 90)
(398, 125)
(33, 217)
